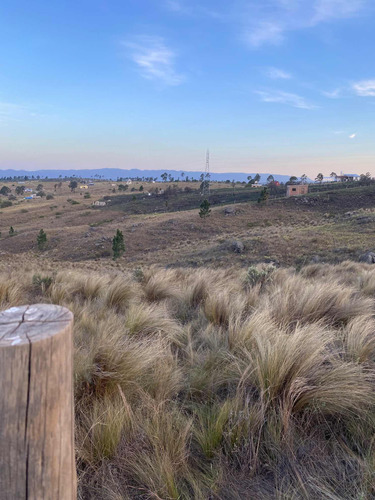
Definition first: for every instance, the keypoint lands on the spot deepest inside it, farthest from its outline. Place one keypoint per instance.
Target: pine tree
(118, 245)
(41, 239)
(263, 197)
(205, 210)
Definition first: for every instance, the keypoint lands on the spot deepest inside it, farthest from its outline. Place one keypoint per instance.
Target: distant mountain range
(115, 173)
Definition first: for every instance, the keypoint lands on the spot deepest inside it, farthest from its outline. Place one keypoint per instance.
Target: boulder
(230, 211)
(238, 246)
(368, 257)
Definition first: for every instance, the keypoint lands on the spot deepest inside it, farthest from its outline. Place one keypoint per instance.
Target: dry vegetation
(219, 384)
(285, 231)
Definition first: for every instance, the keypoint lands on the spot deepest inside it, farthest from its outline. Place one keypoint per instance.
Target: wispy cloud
(365, 88)
(270, 22)
(277, 74)
(333, 94)
(352, 136)
(175, 6)
(278, 96)
(12, 112)
(270, 32)
(155, 60)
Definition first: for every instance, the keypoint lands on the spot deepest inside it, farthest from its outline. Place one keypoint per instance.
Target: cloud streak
(365, 88)
(277, 74)
(280, 97)
(273, 20)
(154, 59)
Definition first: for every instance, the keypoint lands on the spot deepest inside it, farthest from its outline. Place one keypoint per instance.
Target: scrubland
(230, 384)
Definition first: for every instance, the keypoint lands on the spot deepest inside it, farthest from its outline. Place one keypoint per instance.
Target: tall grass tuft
(207, 384)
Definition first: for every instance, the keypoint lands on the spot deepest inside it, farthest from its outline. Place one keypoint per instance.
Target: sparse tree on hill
(164, 177)
(141, 188)
(205, 210)
(41, 240)
(334, 176)
(319, 178)
(123, 187)
(249, 178)
(303, 178)
(118, 245)
(5, 190)
(263, 197)
(270, 179)
(39, 187)
(292, 179)
(20, 190)
(73, 185)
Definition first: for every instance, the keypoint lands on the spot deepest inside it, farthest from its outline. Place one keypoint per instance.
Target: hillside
(330, 226)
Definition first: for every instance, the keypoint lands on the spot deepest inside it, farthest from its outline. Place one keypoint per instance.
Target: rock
(238, 246)
(230, 211)
(368, 257)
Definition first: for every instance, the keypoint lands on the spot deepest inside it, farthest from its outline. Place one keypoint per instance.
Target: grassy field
(167, 230)
(218, 383)
(213, 360)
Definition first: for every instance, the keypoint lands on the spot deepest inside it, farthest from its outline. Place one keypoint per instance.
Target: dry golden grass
(219, 384)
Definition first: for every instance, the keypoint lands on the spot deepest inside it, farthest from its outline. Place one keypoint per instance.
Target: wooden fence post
(36, 404)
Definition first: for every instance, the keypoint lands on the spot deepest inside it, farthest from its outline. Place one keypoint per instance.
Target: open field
(211, 360)
(218, 383)
(161, 230)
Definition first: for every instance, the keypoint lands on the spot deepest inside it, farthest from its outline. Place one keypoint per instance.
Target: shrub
(204, 210)
(49, 197)
(256, 275)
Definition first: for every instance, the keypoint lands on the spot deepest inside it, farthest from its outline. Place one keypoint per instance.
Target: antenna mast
(206, 180)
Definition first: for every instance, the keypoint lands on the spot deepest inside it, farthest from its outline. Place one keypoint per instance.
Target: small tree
(205, 210)
(319, 178)
(303, 178)
(73, 185)
(41, 240)
(5, 190)
(270, 179)
(263, 197)
(11, 231)
(292, 179)
(118, 245)
(20, 190)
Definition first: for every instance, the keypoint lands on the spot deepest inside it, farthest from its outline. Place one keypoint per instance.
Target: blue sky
(281, 86)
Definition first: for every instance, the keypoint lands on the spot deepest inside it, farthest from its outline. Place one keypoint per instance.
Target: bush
(256, 275)
(49, 197)
(6, 204)
(42, 282)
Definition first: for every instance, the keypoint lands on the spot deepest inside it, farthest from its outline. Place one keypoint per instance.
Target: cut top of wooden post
(29, 324)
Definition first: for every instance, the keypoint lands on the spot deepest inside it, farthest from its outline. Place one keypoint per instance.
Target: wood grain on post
(36, 404)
